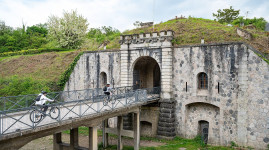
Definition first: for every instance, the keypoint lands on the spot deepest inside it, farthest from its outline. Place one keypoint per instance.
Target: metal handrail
(72, 104)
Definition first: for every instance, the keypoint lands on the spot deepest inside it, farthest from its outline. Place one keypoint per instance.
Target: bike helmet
(108, 84)
(44, 92)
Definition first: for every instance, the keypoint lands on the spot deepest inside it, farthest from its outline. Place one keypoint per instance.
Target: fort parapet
(154, 39)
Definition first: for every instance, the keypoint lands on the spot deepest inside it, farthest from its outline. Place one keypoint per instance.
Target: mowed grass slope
(190, 31)
(39, 72)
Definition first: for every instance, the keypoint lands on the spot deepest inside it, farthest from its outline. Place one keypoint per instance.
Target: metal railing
(15, 110)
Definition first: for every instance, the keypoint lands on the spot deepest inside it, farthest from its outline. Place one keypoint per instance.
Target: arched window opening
(103, 79)
(202, 81)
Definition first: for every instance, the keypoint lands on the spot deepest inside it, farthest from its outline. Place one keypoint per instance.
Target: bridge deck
(18, 123)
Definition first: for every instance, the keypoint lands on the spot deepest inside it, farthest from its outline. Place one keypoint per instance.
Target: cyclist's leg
(45, 108)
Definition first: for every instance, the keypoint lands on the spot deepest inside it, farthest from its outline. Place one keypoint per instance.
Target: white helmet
(108, 84)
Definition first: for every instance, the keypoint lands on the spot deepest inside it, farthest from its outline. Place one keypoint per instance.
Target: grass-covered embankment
(29, 74)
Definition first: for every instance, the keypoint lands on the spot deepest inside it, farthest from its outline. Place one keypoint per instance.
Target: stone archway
(146, 73)
(198, 117)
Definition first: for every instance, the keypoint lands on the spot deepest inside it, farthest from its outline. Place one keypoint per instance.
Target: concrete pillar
(93, 138)
(73, 138)
(57, 140)
(119, 128)
(105, 135)
(136, 130)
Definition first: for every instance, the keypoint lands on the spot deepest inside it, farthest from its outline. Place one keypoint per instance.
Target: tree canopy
(69, 31)
(226, 15)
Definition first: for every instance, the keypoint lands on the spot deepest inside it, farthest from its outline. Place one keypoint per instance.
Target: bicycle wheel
(36, 116)
(54, 112)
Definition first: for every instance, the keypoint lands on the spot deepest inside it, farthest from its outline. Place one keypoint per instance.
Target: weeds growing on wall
(66, 75)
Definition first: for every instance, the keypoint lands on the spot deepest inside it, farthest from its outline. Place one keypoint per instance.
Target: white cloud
(121, 13)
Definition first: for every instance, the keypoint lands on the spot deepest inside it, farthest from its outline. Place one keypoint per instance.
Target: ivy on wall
(66, 75)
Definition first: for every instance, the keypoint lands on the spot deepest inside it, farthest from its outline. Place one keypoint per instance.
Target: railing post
(125, 95)
(80, 109)
(4, 103)
(1, 124)
(136, 96)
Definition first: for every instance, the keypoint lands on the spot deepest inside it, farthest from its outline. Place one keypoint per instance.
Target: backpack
(38, 98)
(104, 89)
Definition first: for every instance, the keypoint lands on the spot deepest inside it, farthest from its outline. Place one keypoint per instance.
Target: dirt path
(46, 143)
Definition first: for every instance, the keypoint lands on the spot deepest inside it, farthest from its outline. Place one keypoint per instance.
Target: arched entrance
(203, 130)
(203, 119)
(103, 79)
(146, 73)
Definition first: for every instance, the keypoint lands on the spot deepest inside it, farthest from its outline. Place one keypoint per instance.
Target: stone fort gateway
(218, 91)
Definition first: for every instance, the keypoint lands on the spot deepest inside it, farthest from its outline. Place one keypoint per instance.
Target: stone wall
(237, 86)
(89, 67)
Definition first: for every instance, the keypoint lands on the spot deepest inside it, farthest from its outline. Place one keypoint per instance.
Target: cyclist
(42, 101)
(107, 89)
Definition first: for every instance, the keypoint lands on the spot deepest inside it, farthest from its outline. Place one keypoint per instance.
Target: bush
(21, 86)
(259, 23)
(32, 51)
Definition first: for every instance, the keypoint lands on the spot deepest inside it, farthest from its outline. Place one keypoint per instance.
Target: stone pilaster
(166, 125)
(242, 101)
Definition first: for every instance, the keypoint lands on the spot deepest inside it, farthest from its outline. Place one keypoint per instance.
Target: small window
(202, 81)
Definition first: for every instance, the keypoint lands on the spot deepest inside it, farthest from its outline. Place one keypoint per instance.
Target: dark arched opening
(146, 73)
(203, 130)
(202, 81)
(103, 79)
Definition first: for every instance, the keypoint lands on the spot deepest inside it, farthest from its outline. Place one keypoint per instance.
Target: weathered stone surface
(235, 102)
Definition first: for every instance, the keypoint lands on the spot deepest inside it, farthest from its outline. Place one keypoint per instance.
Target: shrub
(32, 51)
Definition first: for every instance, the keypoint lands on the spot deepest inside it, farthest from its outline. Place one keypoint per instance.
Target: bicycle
(37, 114)
(109, 98)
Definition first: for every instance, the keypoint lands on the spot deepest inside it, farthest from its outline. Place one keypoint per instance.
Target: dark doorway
(146, 73)
(103, 79)
(203, 130)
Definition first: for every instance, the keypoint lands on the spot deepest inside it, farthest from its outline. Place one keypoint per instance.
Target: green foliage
(66, 75)
(21, 86)
(261, 56)
(233, 144)
(268, 146)
(259, 23)
(103, 34)
(31, 51)
(69, 31)
(226, 15)
(21, 38)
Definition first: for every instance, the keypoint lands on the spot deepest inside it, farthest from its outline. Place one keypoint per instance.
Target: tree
(226, 15)
(69, 31)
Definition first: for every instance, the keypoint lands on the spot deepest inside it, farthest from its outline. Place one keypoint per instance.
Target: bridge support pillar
(93, 138)
(74, 138)
(105, 135)
(57, 140)
(136, 130)
(119, 128)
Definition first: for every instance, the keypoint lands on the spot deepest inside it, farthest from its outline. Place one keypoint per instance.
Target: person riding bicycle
(42, 101)
(107, 89)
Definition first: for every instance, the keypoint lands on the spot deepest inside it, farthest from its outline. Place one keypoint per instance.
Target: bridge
(77, 108)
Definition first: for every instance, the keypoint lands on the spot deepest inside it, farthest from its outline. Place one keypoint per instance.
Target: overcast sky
(121, 14)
